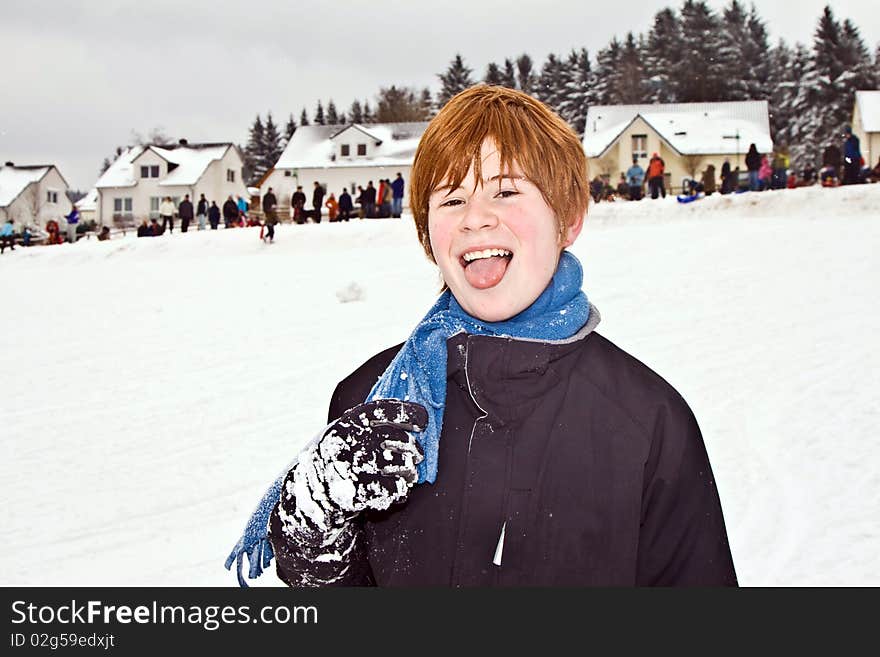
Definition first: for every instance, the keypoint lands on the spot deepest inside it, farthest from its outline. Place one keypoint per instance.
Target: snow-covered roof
(13, 181)
(191, 161)
(89, 202)
(689, 128)
(869, 108)
(121, 172)
(312, 146)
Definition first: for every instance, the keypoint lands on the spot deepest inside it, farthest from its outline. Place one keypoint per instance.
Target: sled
(689, 199)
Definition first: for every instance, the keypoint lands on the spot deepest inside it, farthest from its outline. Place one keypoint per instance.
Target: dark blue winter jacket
(851, 150)
(397, 188)
(345, 204)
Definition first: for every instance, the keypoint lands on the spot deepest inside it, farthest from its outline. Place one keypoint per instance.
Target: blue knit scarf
(418, 373)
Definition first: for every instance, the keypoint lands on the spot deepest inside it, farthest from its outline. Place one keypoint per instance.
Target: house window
(230, 175)
(154, 207)
(288, 173)
(362, 149)
(51, 196)
(640, 146)
(345, 150)
(122, 205)
(151, 171)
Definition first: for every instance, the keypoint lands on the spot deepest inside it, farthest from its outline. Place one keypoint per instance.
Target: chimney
(182, 142)
(10, 164)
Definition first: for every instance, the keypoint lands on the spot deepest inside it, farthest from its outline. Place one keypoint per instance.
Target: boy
(530, 451)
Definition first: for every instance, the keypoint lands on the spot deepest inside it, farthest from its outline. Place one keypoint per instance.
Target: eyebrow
(498, 178)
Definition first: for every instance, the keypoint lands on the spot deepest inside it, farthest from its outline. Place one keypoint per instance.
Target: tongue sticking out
(486, 272)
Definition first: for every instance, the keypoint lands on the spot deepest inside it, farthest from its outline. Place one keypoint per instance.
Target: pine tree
(369, 117)
(342, 119)
(319, 115)
(758, 70)
(304, 118)
(549, 87)
(731, 54)
(607, 74)
(456, 78)
(396, 105)
(289, 129)
(271, 144)
(332, 116)
(355, 112)
(105, 165)
(662, 54)
(427, 104)
(254, 151)
(699, 76)
(493, 74)
(580, 91)
(525, 75)
(631, 87)
(508, 77)
(781, 91)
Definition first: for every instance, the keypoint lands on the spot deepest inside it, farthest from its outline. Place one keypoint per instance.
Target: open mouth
(485, 268)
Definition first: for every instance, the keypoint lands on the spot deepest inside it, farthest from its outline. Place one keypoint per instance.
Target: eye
(450, 203)
(506, 193)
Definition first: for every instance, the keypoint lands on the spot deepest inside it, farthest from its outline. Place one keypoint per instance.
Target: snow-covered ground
(152, 388)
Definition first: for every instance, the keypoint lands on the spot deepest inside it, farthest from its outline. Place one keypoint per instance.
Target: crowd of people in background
(371, 202)
(763, 171)
(234, 214)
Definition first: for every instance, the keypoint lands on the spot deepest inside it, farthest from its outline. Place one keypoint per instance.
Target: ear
(572, 232)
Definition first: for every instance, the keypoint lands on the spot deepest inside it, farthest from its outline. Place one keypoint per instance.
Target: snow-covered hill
(152, 388)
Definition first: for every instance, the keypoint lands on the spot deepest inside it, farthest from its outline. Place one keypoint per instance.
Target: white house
(866, 124)
(135, 184)
(343, 156)
(688, 136)
(32, 195)
(88, 206)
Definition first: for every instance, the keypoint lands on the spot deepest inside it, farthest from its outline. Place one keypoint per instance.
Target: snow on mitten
(366, 459)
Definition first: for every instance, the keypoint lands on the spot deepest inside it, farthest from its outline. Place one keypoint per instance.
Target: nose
(479, 214)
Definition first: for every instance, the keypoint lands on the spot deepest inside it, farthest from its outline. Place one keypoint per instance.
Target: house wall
(32, 206)
(334, 178)
(618, 158)
(213, 183)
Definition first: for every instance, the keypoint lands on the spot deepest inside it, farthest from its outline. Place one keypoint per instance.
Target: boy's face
(507, 215)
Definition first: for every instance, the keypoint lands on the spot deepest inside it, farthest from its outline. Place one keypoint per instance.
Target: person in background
(656, 171)
(397, 196)
(166, 212)
(852, 158)
(297, 203)
(155, 228)
(708, 180)
(202, 211)
(317, 202)
(332, 206)
(635, 178)
(72, 221)
(765, 174)
(345, 205)
(104, 235)
(230, 212)
(362, 202)
(726, 182)
(242, 206)
(7, 236)
(270, 205)
(144, 229)
(214, 215)
(369, 202)
(26, 236)
(780, 165)
(753, 164)
(185, 212)
(622, 187)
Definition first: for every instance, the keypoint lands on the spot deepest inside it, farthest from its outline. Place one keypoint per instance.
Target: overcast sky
(79, 76)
